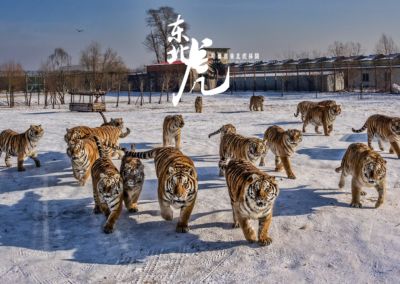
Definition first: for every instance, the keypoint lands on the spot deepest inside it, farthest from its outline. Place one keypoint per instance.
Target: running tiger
(198, 104)
(322, 115)
(107, 189)
(385, 128)
(236, 146)
(132, 173)
(282, 143)
(172, 130)
(304, 106)
(21, 145)
(84, 153)
(252, 193)
(367, 168)
(256, 103)
(177, 183)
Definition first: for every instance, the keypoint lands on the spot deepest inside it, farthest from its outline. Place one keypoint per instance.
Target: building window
(365, 77)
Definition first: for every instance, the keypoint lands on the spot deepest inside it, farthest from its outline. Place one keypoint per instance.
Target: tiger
(322, 115)
(304, 106)
(84, 153)
(108, 135)
(117, 122)
(227, 128)
(256, 103)
(385, 128)
(252, 193)
(21, 145)
(172, 130)
(368, 169)
(132, 173)
(198, 104)
(283, 143)
(107, 188)
(177, 182)
(236, 146)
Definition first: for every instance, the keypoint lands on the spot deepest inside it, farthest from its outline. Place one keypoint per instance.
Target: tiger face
(257, 149)
(293, 137)
(373, 171)
(132, 172)
(395, 125)
(179, 186)
(261, 192)
(72, 134)
(109, 187)
(178, 121)
(335, 110)
(117, 122)
(76, 149)
(228, 128)
(36, 132)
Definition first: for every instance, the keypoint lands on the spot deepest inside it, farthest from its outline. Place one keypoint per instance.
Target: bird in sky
(79, 30)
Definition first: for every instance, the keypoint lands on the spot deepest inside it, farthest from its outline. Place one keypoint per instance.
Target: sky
(30, 30)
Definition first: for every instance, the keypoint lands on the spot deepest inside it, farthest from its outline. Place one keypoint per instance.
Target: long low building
(373, 73)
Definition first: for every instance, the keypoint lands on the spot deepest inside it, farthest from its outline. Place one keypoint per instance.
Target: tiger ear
(67, 129)
(253, 177)
(171, 170)
(273, 178)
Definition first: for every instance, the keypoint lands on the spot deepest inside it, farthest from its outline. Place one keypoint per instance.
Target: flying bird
(79, 30)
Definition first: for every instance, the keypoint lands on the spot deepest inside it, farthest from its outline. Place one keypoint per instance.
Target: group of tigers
(252, 191)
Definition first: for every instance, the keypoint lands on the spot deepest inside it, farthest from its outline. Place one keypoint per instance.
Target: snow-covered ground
(49, 234)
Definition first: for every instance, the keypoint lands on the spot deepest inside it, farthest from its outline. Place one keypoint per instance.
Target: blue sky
(31, 29)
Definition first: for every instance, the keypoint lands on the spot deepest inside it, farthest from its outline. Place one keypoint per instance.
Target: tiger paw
(341, 185)
(81, 183)
(291, 176)
(251, 236)
(37, 163)
(8, 165)
(363, 193)
(356, 204)
(378, 203)
(181, 228)
(108, 229)
(96, 210)
(278, 169)
(133, 210)
(265, 241)
(21, 169)
(235, 225)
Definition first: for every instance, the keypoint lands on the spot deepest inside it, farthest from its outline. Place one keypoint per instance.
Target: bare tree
(102, 66)
(15, 79)
(56, 73)
(386, 45)
(338, 48)
(157, 40)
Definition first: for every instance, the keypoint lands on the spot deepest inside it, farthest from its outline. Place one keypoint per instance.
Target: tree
(386, 45)
(102, 67)
(157, 40)
(15, 79)
(56, 73)
(338, 48)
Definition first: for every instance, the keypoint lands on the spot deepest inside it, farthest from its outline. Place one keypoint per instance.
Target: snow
(50, 235)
